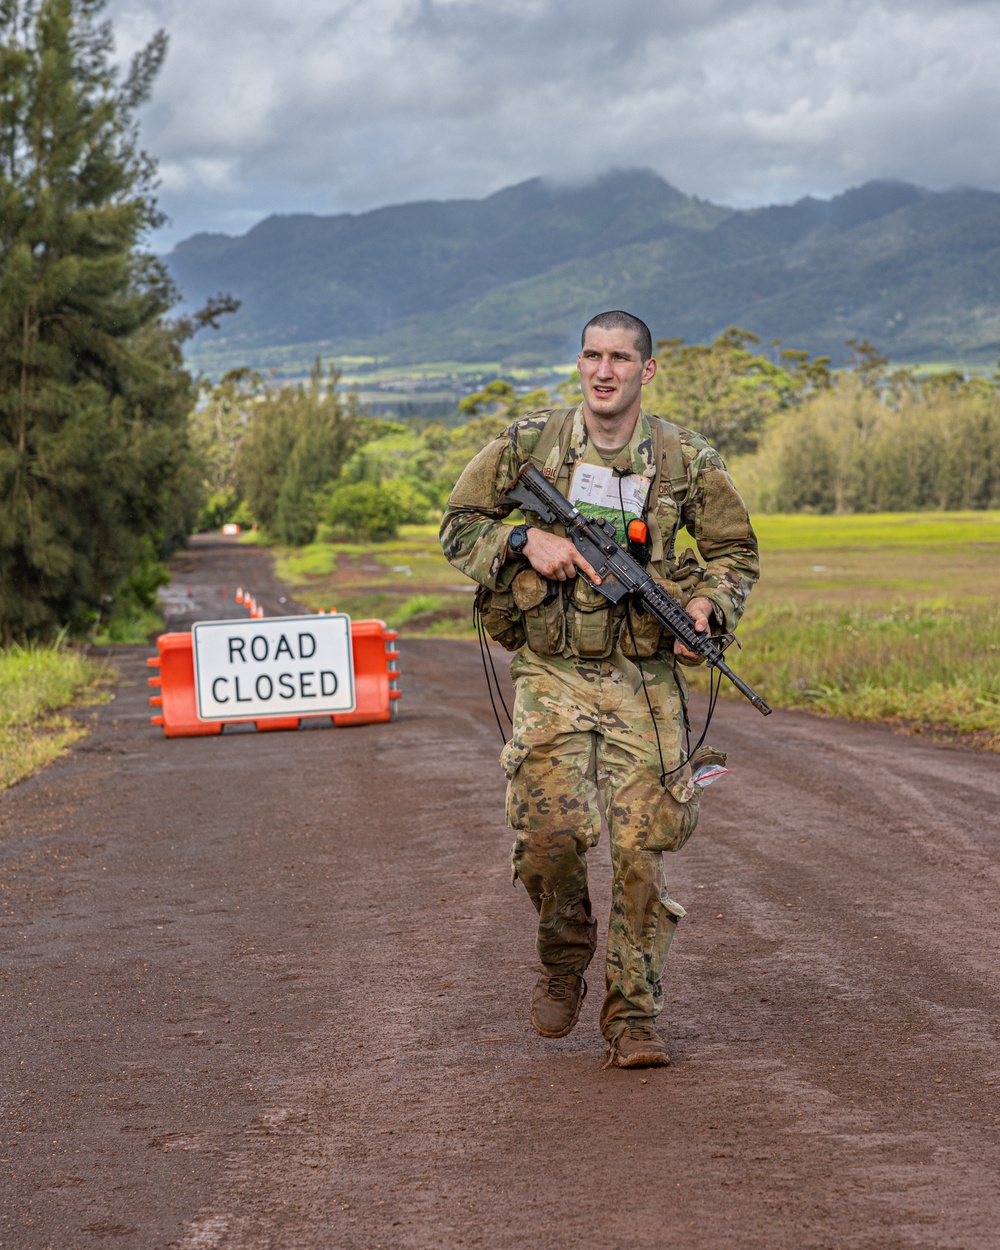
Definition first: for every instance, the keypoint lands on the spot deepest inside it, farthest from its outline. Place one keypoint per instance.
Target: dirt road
(270, 990)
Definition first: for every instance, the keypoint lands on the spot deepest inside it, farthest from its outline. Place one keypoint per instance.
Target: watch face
(518, 539)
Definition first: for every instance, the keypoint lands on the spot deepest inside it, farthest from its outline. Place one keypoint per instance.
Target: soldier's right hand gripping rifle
(620, 574)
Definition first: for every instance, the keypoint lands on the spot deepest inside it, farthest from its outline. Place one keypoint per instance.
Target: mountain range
(511, 278)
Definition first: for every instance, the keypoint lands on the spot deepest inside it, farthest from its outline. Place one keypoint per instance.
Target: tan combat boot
(556, 1001)
(636, 1044)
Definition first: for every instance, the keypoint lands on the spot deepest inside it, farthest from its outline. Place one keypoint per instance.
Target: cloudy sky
(343, 105)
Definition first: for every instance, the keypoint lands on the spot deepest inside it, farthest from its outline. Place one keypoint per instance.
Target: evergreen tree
(96, 483)
(726, 391)
(297, 440)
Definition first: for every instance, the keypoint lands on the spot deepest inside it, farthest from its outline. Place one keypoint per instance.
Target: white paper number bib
(599, 492)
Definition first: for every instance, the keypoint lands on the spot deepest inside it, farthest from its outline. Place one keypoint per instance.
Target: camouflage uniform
(583, 741)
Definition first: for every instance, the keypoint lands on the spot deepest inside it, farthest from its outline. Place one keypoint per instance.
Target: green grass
(298, 563)
(37, 684)
(876, 531)
(404, 582)
(933, 664)
(889, 617)
(132, 628)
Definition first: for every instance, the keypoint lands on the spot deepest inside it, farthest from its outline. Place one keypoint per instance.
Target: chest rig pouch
(573, 616)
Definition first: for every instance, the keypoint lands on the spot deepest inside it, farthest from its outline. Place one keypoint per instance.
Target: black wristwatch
(517, 539)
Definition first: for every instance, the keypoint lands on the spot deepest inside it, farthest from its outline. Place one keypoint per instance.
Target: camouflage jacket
(474, 536)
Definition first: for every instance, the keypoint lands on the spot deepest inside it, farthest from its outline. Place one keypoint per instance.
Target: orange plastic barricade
(375, 684)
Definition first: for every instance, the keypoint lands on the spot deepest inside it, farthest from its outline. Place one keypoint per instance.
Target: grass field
(37, 685)
(891, 617)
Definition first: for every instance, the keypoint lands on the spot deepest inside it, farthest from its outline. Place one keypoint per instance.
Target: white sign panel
(283, 666)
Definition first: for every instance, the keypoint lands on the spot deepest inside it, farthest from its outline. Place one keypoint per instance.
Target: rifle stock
(620, 574)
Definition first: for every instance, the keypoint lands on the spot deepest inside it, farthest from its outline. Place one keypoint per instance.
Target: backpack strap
(548, 453)
(669, 459)
(668, 455)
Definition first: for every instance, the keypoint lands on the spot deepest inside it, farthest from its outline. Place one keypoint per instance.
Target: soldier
(600, 707)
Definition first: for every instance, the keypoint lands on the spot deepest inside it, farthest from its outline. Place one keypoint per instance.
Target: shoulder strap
(667, 452)
(555, 424)
(667, 455)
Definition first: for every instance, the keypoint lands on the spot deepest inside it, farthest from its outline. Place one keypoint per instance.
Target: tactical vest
(572, 617)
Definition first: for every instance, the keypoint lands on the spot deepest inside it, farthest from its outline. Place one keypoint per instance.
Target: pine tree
(95, 476)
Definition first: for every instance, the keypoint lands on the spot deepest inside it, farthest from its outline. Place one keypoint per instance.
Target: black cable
(714, 682)
(496, 684)
(645, 691)
(638, 662)
(484, 651)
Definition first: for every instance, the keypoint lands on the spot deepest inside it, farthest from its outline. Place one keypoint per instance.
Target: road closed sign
(284, 666)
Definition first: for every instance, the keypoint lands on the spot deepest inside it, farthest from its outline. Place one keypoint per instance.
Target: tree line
(880, 440)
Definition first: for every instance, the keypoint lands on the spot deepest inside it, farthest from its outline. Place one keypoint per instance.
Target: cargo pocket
(676, 814)
(670, 915)
(511, 758)
(641, 634)
(591, 621)
(501, 617)
(540, 604)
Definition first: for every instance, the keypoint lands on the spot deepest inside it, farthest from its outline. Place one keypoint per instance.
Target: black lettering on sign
(253, 646)
(215, 693)
(270, 687)
(303, 654)
(283, 648)
(322, 682)
(236, 644)
(287, 690)
(303, 678)
(239, 697)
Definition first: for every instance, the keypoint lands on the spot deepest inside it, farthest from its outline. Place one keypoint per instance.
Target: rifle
(620, 574)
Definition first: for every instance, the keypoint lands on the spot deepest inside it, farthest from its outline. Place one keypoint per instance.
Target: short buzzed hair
(618, 320)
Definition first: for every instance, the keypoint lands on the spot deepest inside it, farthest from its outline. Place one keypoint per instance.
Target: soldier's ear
(649, 370)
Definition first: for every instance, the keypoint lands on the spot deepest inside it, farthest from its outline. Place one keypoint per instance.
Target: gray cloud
(333, 105)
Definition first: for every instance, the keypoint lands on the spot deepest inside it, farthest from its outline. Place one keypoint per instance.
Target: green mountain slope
(512, 277)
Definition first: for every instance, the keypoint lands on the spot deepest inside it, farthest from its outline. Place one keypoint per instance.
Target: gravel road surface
(270, 990)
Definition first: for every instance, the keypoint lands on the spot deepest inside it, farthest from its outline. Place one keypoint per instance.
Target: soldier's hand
(701, 610)
(555, 557)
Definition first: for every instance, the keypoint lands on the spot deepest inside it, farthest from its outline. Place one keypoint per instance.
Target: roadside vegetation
(39, 683)
(886, 617)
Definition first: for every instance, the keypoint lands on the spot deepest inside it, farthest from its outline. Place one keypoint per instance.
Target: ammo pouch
(540, 608)
(591, 621)
(642, 629)
(649, 633)
(501, 617)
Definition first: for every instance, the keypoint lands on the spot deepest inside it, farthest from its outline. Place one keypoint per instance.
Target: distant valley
(511, 278)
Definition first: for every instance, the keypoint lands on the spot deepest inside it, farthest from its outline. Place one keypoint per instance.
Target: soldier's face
(612, 372)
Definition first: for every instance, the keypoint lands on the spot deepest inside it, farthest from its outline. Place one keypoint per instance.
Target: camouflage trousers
(583, 745)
